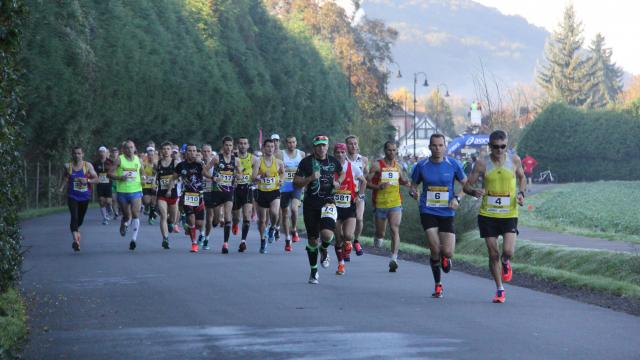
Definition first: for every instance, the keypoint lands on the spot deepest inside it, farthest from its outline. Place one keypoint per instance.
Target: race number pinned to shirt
(437, 196)
(268, 183)
(243, 179)
(191, 199)
(342, 198)
(80, 186)
(329, 211)
(164, 182)
(390, 176)
(150, 180)
(498, 202)
(131, 175)
(225, 179)
(103, 178)
(290, 173)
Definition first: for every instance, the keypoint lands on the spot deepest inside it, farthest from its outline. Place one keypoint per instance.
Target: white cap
(275, 137)
(103, 149)
(150, 148)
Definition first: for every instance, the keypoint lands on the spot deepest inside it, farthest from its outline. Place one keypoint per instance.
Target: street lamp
(446, 94)
(415, 84)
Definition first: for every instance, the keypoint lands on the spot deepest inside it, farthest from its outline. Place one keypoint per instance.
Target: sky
(616, 19)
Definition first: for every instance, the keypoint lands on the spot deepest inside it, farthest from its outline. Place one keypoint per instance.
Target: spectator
(528, 162)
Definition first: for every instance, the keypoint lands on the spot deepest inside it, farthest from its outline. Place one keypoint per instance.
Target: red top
(348, 183)
(529, 163)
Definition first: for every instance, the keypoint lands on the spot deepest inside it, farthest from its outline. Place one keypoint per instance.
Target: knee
(493, 254)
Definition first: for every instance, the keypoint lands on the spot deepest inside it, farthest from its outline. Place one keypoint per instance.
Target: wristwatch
(457, 198)
(521, 192)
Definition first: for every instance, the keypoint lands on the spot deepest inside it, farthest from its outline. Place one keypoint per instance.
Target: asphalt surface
(109, 303)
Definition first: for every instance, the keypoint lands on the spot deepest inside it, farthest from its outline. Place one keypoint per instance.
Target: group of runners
(204, 189)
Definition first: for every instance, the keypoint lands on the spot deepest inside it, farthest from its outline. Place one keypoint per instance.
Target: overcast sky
(617, 20)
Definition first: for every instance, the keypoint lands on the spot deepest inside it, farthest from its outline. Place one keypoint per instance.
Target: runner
(438, 203)
(211, 220)
(363, 163)
(267, 172)
(345, 199)
(78, 175)
(102, 166)
(499, 211)
(317, 172)
(290, 195)
(149, 188)
(126, 171)
(115, 153)
(192, 172)
(226, 167)
(385, 178)
(166, 193)
(243, 197)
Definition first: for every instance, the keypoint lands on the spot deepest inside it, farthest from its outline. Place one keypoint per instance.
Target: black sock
(435, 269)
(312, 252)
(245, 229)
(152, 212)
(325, 245)
(227, 231)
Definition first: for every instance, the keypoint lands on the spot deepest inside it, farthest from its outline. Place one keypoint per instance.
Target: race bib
(164, 182)
(208, 185)
(329, 211)
(390, 176)
(81, 187)
(150, 180)
(244, 179)
(268, 183)
(103, 178)
(290, 173)
(437, 196)
(131, 175)
(191, 199)
(498, 203)
(225, 179)
(342, 198)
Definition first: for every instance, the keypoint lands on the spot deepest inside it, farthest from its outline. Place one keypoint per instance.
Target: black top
(226, 167)
(320, 191)
(191, 175)
(163, 178)
(102, 167)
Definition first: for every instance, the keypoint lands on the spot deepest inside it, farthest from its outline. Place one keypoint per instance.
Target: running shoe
(146, 210)
(263, 246)
(225, 248)
(393, 265)
(200, 237)
(234, 229)
(506, 271)
(123, 229)
(500, 297)
(378, 243)
(287, 245)
(170, 228)
(115, 216)
(242, 247)
(151, 221)
(276, 235)
(105, 222)
(439, 291)
(75, 246)
(340, 270)
(324, 259)
(270, 235)
(205, 244)
(194, 247)
(446, 264)
(132, 245)
(295, 237)
(359, 249)
(165, 244)
(313, 278)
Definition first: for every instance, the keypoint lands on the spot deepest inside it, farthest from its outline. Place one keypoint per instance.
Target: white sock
(135, 223)
(103, 210)
(501, 288)
(394, 257)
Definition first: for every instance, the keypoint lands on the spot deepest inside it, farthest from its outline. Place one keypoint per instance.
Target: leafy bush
(10, 112)
(584, 145)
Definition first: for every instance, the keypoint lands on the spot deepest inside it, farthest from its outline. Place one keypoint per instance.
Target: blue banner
(471, 140)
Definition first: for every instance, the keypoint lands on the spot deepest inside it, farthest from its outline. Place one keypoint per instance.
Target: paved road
(108, 303)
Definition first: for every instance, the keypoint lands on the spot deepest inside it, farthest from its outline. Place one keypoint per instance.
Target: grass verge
(13, 323)
(603, 209)
(34, 213)
(603, 271)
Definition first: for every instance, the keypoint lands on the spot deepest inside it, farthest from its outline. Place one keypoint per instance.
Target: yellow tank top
(270, 180)
(499, 200)
(149, 172)
(246, 165)
(388, 197)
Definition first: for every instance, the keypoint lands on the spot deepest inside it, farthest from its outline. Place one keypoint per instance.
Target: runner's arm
(65, 177)
(522, 179)
(477, 171)
(112, 172)
(373, 171)
(92, 172)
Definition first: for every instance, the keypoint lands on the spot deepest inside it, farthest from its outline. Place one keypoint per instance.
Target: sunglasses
(496, 147)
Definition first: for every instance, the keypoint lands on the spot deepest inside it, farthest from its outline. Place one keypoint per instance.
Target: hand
(520, 199)
(414, 194)
(382, 186)
(316, 175)
(453, 204)
(83, 180)
(336, 185)
(477, 193)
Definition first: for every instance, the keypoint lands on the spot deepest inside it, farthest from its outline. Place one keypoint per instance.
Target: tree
(439, 112)
(402, 97)
(606, 77)
(632, 92)
(562, 76)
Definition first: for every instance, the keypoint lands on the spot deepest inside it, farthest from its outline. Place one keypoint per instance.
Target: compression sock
(245, 229)
(227, 230)
(312, 253)
(435, 269)
(135, 225)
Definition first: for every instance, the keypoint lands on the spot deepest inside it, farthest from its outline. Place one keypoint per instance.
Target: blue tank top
(77, 190)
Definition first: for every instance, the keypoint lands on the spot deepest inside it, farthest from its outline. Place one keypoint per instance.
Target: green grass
(603, 209)
(13, 323)
(605, 271)
(34, 213)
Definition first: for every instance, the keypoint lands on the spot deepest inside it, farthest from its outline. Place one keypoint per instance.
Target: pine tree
(563, 74)
(606, 76)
